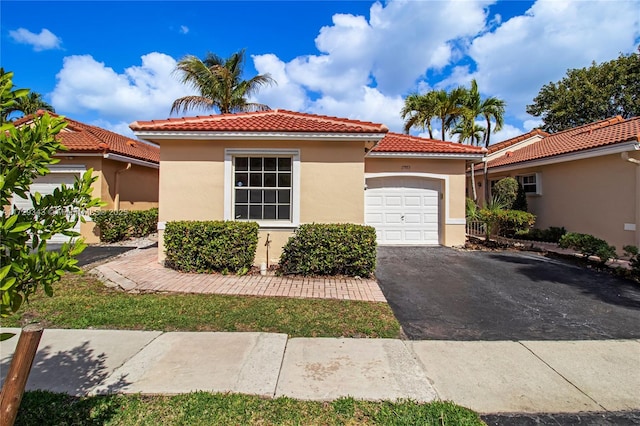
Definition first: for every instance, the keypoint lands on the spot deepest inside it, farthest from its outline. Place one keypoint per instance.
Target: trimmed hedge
(506, 223)
(588, 245)
(124, 224)
(549, 235)
(210, 246)
(330, 249)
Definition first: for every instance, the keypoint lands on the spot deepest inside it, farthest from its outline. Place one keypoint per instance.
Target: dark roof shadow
(601, 285)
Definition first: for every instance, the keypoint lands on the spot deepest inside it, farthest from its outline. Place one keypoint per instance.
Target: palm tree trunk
(473, 182)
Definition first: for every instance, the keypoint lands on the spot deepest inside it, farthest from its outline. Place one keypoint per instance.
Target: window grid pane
(262, 188)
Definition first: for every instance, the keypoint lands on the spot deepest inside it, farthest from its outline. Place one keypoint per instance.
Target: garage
(46, 185)
(404, 210)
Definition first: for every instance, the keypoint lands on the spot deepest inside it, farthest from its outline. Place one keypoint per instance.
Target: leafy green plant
(506, 189)
(26, 152)
(471, 210)
(588, 245)
(210, 246)
(520, 202)
(330, 249)
(549, 235)
(124, 224)
(503, 222)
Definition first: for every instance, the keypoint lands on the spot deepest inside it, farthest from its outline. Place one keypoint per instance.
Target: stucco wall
(331, 183)
(596, 196)
(451, 174)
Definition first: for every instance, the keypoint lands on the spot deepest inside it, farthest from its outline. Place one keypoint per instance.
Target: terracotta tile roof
(84, 138)
(397, 142)
(509, 142)
(594, 135)
(264, 121)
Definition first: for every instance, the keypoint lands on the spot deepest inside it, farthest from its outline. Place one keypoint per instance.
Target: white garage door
(46, 185)
(404, 210)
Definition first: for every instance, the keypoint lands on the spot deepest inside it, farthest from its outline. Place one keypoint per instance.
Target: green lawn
(201, 408)
(83, 301)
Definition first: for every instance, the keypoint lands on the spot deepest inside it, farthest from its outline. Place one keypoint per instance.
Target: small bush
(124, 224)
(549, 235)
(521, 200)
(588, 245)
(506, 189)
(330, 249)
(210, 246)
(506, 223)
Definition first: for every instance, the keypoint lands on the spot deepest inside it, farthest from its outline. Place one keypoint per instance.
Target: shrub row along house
(127, 171)
(586, 179)
(282, 169)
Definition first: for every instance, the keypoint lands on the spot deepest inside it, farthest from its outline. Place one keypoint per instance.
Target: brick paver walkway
(139, 270)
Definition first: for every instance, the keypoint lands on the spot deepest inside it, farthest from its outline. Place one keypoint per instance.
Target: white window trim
(538, 176)
(229, 153)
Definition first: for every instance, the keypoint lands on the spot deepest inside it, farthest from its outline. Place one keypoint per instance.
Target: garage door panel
(413, 218)
(46, 185)
(403, 210)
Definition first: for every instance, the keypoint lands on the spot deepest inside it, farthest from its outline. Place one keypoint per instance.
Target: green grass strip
(202, 408)
(82, 302)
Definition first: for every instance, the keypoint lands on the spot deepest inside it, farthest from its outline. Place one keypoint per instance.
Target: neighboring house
(127, 170)
(283, 169)
(586, 179)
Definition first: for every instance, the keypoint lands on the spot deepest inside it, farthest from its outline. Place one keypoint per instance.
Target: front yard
(83, 302)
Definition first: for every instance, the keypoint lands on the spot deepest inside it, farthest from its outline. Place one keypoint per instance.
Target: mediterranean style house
(283, 168)
(586, 179)
(127, 170)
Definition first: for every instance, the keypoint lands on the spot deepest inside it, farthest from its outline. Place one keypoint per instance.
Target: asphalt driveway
(442, 293)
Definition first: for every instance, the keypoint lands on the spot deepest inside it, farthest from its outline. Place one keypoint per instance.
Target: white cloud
(184, 29)
(44, 41)
(140, 92)
(527, 52)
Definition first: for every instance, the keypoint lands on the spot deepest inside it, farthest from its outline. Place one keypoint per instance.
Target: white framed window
(531, 183)
(263, 186)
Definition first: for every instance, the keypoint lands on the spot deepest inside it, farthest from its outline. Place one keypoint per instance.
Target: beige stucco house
(127, 170)
(283, 169)
(586, 179)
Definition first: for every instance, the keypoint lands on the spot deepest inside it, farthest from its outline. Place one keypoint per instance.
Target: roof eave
(204, 135)
(434, 155)
(570, 156)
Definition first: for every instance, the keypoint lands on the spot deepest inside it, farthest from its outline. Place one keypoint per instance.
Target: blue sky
(110, 63)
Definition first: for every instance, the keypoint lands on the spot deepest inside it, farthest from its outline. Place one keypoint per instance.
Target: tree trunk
(16, 379)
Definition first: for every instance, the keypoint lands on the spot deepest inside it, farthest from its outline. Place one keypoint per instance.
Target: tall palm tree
(468, 130)
(31, 103)
(450, 107)
(418, 111)
(219, 82)
(489, 108)
(27, 103)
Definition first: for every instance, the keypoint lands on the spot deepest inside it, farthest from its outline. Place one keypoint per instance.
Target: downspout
(625, 156)
(116, 199)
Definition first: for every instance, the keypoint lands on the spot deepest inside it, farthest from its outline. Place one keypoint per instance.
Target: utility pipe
(116, 199)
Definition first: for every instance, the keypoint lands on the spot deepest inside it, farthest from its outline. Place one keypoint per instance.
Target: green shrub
(521, 200)
(588, 245)
(506, 223)
(330, 249)
(506, 189)
(124, 224)
(550, 235)
(210, 246)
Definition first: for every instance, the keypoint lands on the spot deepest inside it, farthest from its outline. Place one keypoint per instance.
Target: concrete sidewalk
(489, 377)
